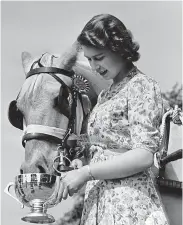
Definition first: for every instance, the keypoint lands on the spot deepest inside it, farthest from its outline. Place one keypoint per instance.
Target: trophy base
(38, 217)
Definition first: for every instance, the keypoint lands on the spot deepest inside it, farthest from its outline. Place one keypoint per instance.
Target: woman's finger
(73, 164)
(76, 163)
(79, 164)
(65, 192)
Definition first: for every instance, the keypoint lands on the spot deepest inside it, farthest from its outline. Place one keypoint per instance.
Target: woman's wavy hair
(106, 31)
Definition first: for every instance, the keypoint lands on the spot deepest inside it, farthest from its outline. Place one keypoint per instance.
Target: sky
(39, 27)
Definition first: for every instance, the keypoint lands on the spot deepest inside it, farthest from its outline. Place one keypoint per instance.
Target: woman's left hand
(74, 180)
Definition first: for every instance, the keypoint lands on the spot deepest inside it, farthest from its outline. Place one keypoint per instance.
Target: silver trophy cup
(37, 191)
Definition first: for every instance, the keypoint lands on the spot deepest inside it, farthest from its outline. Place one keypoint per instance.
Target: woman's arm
(144, 117)
(124, 165)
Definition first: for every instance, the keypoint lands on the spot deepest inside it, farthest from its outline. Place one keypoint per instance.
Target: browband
(50, 70)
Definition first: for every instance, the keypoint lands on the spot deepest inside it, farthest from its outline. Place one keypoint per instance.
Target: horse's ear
(69, 58)
(26, 61)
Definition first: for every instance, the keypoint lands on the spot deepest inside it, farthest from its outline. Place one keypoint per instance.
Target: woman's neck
(123, 73)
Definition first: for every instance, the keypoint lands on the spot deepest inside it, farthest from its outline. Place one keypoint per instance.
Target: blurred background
(39, 27)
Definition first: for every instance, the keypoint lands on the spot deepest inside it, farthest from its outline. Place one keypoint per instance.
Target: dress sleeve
(145, 113)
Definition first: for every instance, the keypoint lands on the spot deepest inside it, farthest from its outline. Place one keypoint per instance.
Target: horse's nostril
(32, 168)
(41, 169)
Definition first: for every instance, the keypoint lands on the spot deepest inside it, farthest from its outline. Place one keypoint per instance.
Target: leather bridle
(40, 132)
(41, 136)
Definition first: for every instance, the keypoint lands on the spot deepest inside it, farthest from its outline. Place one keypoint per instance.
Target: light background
(38, 27)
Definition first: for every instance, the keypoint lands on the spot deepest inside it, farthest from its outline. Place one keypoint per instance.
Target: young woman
(123, 130)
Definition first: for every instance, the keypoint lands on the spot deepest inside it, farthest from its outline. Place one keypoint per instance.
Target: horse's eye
(58, 101)
(63, 94)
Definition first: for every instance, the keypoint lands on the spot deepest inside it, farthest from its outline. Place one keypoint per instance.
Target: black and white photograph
(91, 112)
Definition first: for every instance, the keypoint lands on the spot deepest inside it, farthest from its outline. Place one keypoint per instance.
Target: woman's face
(104, 62)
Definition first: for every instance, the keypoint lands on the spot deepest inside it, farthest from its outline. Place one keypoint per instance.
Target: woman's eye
(99, 58)
(95, 59)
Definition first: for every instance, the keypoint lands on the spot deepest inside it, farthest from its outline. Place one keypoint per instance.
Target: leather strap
(54, 131)
(46, 137)
(171, 184)
(50, 70)
(171, 157)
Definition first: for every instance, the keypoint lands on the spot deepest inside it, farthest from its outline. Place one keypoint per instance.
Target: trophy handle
(6, 190)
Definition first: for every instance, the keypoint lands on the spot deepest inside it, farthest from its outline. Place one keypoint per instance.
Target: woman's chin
(106, 77)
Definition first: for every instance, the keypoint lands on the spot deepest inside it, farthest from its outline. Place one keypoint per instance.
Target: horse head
(44, 108)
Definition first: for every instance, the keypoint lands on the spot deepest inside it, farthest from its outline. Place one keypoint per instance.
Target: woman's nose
(95, 67)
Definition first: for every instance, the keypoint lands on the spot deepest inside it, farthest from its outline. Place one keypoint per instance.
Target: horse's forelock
(69, 58)
(48, 60)
(66, 61)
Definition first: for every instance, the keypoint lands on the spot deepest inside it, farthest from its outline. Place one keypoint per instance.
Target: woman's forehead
(90, 52)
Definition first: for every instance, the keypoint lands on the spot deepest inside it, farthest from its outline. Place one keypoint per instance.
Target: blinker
(15, 116)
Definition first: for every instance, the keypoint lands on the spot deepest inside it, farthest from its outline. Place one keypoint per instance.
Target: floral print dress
(125, 118)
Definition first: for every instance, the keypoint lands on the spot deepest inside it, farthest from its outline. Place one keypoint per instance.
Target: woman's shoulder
(142, 79)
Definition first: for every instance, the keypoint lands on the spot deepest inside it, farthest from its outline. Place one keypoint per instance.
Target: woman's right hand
(62, 188)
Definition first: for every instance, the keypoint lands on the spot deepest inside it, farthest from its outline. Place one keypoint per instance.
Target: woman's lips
(103, 73)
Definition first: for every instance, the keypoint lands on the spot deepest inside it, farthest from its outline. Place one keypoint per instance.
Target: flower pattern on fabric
(127, 118)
